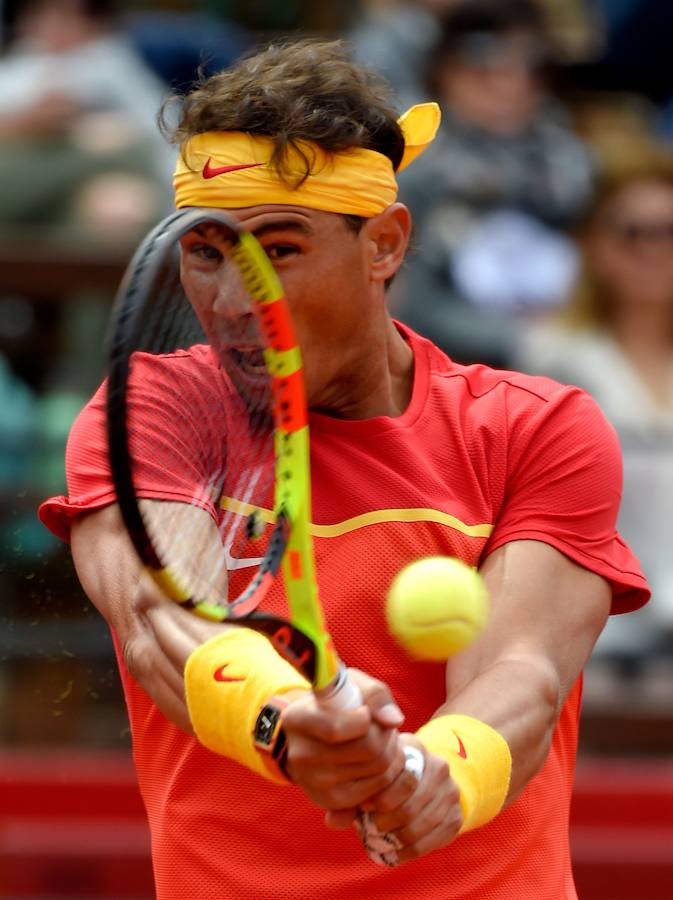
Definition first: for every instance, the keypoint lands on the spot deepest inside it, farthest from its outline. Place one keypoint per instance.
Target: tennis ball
(436, 606)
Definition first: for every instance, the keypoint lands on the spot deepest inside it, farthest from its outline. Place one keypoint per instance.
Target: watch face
(267, 724)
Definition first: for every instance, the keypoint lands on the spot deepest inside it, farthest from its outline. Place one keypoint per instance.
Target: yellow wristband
(227, 681)
(480, 764)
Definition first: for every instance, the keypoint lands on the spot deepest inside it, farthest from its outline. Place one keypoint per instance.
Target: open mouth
(248, 372)
(250, 359)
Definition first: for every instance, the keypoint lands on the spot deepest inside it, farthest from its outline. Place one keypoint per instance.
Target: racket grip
(342, 693)
(381, 847)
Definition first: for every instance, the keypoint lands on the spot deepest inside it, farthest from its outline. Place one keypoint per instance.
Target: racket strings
(208, 425)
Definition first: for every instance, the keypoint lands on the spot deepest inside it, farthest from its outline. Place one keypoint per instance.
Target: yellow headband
(231, 169)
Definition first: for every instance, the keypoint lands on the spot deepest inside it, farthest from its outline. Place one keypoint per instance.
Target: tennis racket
(209, 445)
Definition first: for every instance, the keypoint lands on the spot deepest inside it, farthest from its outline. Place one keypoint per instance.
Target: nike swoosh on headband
(213, 171)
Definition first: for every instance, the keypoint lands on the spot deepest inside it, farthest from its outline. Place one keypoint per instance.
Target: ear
(387, 238)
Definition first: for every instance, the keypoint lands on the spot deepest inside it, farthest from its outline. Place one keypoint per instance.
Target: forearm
(518, 696)
(156, 636)
(546, 613)
(482, 747)
(505, 692)
(107, 567)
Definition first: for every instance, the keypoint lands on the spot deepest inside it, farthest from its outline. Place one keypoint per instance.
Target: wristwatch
(268, 734)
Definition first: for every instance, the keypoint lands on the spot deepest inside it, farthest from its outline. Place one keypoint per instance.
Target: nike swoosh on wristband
(219, 675)
(462, 752)
(213, 171)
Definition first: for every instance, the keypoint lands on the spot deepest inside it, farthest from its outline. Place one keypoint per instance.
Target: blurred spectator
(394, 38)
(81, 160)
(177, 45)
(616, 340)
(79, 145)
(491, 198)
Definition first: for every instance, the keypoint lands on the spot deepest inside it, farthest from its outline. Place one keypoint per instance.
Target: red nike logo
(462, 752)
(213, 171)
(219, 675)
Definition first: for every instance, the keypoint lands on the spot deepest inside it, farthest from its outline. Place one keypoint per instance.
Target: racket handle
(381, 847)
(342, 693)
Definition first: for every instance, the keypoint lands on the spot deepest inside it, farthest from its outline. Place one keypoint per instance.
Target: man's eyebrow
(204, 230)
(284, 225)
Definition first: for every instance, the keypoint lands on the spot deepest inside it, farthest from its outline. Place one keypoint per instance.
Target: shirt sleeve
(172, 458)
(87, 470)
(564, 486)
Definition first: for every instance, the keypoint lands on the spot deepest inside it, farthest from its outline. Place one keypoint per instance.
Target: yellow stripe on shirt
(374, 517)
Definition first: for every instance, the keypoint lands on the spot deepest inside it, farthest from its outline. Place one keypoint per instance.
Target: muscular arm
(155, 634)
(546, 615)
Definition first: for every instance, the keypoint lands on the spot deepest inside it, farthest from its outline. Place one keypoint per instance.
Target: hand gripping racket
(209, 445)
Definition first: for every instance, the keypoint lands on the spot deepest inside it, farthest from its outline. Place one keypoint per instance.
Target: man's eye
(280, 251)
(207, 252)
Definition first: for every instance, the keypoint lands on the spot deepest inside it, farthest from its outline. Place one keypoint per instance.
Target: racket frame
(302, 639)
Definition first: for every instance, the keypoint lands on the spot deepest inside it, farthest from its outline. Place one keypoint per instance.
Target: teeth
(253, 358)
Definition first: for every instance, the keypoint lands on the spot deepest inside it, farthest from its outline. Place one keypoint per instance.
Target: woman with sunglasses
(615, 339)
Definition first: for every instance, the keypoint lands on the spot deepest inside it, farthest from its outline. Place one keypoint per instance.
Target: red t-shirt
(478, 459)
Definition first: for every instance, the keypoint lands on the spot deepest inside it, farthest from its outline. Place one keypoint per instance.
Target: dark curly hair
(301, 90)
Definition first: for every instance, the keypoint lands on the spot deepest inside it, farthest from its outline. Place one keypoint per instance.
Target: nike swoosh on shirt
(462, 752)
(213, 171)
(238, 562)
(251, 478)
(219, 675)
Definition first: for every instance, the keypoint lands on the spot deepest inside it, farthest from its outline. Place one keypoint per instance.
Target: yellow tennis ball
(436, 606)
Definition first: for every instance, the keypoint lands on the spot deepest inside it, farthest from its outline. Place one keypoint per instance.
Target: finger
(406, 811)
(340, 819)
(378, 698)
(308, 766)
(423, 813)
(352, 759)
(438, 807)
(354, 793)
(327, 788)
(391, 800)
(360, 774)
(442, 834)
(305, 717)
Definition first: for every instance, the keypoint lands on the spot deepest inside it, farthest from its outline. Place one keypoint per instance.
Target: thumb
(377, 697)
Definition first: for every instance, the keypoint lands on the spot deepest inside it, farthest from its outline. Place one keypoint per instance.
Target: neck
(646, 327)
(645, 336)
(379, 381)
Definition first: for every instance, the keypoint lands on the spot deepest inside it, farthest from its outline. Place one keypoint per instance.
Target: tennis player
(412, 455)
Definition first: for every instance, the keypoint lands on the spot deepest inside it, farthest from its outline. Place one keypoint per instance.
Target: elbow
(532, 729)
(548, 700)
(543, 687)
(551, 692)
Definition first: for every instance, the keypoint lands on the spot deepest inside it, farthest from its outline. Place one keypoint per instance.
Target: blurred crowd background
(543, 241)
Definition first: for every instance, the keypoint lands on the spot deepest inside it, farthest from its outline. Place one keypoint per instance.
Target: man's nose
(232, 300)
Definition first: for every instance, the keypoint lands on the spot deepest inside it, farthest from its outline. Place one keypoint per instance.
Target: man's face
(323, 266)
(494, 80)
(629, 249)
